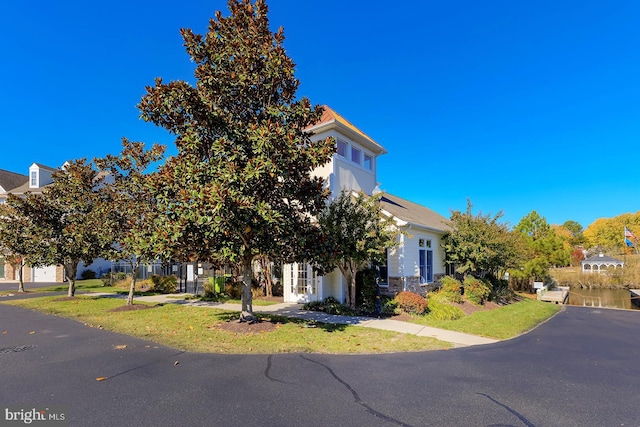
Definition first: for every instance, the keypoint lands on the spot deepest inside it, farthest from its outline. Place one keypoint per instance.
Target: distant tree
(129, 206)
(479, 245)
(241, 184)
(356, 234)
(545, 247)
(17, 238)
(65, 220)
(608, 233)
(576, 231)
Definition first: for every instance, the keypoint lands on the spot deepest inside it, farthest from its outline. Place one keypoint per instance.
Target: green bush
(366, 290)
(451, 289)
(388, 305)
(163, 284)
(330, 305)
(88, 274)
(441, 309)
(502, 294)
(411, 303)
(111, 278)
(476, 291)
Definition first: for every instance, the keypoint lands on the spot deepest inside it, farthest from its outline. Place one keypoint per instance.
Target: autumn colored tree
(241, 184)
(357, 233)
(65, 220)
(129, 206)
(608, 233)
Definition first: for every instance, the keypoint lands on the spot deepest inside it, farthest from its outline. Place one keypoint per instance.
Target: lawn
(201, 329)
(502, 323)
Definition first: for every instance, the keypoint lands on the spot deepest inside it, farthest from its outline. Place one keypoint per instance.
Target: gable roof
(600, 258)
(332, 119)
(10, 180)
(414, 213)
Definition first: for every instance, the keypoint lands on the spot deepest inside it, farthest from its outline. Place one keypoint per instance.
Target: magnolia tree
(357, 233)
(66, 220)
(16, 237)
(241, 184)
(130, 207)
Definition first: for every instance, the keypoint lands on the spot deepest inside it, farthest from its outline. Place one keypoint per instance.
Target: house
(600, 263)
(39, 177)
(416, 262)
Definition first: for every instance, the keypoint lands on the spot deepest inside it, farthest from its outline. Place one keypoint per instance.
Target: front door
(301, 283)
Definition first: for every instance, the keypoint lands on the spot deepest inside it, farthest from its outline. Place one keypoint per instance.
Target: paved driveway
(578, 369)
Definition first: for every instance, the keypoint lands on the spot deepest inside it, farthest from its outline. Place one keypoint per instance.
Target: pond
(607, 298)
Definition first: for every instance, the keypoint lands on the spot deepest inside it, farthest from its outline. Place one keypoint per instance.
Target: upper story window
(368, 162)
(356, 155)
(341, 148)
(34, 179)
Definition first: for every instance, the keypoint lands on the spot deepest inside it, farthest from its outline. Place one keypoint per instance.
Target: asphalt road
(581, 368)
(13, 286)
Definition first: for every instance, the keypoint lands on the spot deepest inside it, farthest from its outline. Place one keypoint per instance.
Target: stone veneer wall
(396, 285)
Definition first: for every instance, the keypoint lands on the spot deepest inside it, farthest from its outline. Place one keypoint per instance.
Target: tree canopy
(241, 183)
(480, 245)
(356, 233)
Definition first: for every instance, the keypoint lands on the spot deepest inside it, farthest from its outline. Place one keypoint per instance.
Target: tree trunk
(247, 296)
(132, 287)
(21, 277)
(71, 270)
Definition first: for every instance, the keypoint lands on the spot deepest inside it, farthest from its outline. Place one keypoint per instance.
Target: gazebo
(600, 263)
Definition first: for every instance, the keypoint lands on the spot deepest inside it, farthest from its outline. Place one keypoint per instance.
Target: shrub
(88, 274)
(476, 291)
(366, 290)
(412, 303)
(330, 305)
(502, 294)
(451, 289)
(233, 290)
(111, 278)
(441, 309)
(389, 305)
(163, 284)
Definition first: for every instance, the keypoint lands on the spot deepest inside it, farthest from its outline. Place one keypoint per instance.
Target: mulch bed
(237, 327)
(132, 307)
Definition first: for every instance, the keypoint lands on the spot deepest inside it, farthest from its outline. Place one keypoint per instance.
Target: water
(606, 298)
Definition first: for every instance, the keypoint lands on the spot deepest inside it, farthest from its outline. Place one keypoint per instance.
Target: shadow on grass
(302, 323)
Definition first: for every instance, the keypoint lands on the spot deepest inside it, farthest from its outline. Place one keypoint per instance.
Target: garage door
(44, 274)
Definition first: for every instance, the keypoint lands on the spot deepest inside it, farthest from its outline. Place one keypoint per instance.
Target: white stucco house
(417, 261)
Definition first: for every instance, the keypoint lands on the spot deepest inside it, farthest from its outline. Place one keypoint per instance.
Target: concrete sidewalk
(292, 310)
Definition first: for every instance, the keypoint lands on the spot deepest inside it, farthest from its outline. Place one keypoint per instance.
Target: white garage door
(44, 274)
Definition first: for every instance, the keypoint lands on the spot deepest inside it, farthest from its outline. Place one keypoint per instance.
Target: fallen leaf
(101, 378)
(176, 363)
(32, 332)
(120, 347)
(191, 327)
(5, 332)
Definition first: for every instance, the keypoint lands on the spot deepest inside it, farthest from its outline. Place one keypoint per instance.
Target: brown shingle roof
(414, 213)
(10, 180)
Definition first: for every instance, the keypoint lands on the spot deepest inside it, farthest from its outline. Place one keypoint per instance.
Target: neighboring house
(416, 262)
(600, 263)
(39, 177)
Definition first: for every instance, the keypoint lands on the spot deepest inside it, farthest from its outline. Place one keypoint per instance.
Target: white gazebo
(600, 263)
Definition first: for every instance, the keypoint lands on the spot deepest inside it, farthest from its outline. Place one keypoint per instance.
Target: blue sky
(516, 105)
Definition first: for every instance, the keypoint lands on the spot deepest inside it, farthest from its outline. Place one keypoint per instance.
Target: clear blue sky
(517, 105)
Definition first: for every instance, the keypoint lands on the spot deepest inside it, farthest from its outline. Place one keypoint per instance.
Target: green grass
(198, 329)
(502, 323)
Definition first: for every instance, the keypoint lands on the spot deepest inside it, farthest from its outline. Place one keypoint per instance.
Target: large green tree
(241, 184)
(66, 220)
(129, 205)
(356, 233)
(480, 245)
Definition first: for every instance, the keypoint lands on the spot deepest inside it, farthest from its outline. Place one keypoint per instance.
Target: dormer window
(34, 179)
